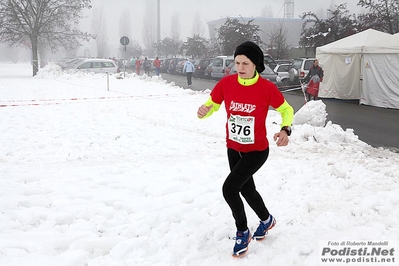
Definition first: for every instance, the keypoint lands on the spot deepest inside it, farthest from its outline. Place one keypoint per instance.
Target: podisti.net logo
(358, 252)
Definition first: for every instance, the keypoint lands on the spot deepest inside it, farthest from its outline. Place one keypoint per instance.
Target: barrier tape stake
(107, 81)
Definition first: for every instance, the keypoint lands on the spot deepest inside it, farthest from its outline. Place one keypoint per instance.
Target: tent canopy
(388, 44)
(363, 66)
(354, 43)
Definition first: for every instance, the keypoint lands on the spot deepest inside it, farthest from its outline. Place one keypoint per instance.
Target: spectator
(189, 70)
(157, 65)
(138, 65)
(147, 66)
(314, 77)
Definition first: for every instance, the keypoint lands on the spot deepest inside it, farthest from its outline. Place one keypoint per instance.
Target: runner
(247, 98)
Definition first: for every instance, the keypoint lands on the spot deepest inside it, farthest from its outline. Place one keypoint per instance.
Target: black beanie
(253, 52)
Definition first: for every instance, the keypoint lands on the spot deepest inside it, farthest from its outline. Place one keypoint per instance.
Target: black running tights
(240, 179)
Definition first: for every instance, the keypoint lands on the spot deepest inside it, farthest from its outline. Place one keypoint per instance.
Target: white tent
(380, 69)
(363, 66)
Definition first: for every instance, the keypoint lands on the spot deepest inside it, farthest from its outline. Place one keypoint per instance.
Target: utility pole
(289, 9)
(158, 20)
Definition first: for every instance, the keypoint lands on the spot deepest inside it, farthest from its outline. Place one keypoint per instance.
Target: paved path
(376, 126)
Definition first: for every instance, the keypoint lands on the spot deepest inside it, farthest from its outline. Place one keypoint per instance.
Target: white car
(71, 63)
(268, 74)
(219, 65)
(282, 71)
(299, 69)
(96, 65)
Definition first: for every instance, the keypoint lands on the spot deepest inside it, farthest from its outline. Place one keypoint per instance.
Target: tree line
(52, 24)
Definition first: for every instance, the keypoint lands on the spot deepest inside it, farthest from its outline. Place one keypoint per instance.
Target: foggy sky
(208, 10)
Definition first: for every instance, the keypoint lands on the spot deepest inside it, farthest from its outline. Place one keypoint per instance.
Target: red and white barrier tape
(13, 103)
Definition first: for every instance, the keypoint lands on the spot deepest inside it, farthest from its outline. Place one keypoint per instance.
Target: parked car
(219, 65)
(172, 65)
(96, 65)
(269, 61)
(208, 71)
(268, 74)
(200, 66)
(72, 63)
(282, 71)
(283, 61)
(228, 68)
(299, 69)
(121, 63)
(65, 61)
(150, 64)
(165, 65)
(179, 67)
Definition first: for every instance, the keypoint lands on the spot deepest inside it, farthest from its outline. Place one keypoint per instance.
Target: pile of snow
(313, 113)
(130, 176)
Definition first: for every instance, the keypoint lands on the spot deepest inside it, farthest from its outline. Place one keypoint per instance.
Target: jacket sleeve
(307, 78)
(215, 107)
(287, 113)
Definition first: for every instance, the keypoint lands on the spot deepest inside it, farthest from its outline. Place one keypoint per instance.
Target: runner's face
(245, 67)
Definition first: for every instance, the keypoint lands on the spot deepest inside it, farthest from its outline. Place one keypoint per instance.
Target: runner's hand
(203, 110)
(281, 138)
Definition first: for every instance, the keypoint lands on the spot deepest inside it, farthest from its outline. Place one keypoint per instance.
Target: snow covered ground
(130, 176)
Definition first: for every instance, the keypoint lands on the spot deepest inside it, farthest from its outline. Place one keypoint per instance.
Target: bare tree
(278, 42)
(383, 15)
(31, 23)
(198, 27)
(233, 32)
(71, 53)
(125, 28)
(133, 49)
(149, 27)
(317, 32)
(167, 47)
(175, 30)
(99, 27)
(195, 47)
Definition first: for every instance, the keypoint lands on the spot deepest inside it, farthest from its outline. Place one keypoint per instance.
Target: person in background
(189, 70)
(133, 63)
(313, 78)
(157, 65)
(247, 97)
(147, 66)
(138, 65)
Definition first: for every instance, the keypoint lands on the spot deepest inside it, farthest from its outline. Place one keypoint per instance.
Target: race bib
(241, 129)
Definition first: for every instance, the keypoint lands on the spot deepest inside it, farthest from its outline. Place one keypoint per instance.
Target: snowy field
(130, 176)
